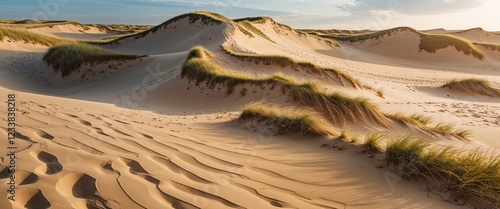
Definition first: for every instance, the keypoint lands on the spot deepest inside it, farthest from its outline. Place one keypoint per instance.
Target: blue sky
(324, 14)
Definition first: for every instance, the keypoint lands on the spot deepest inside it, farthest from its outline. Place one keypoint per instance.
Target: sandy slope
(479, 35)
(139, 136)
(72, 31)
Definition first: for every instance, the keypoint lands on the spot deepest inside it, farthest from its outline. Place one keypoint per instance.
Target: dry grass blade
(69, 58)
(424, 123)
(287, 61)
(473, 86)
(473, 176)
(339, 108)
(372, 142)
(288, 120)
(26, 36)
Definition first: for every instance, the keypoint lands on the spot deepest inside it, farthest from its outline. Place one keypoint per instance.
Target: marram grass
(425, 123)
(473, 176)
(26, 36)
(373, 142)
(337, 108)
(67, 59)
(473, 86)
(288, 120)
(287, 61)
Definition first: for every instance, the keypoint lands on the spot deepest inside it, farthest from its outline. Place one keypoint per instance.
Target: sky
(302, 14)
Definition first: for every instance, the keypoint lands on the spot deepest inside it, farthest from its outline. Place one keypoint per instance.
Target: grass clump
(287, 61)
(339, 108)
(288, 120)
(473, 86)
(372, 142)
(255, 30)
(256, 20)
(434, 42)
(449, 130)
(424, 123)
(415, 119)
(121, 28)
(204, 70)
(492, 47)
(26, 36)
(69, 58)
(473, 176)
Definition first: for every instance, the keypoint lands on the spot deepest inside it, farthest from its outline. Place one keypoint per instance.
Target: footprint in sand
(51, 164)
(84, 122)
(29, 197)
(44, 134)
(70, 115)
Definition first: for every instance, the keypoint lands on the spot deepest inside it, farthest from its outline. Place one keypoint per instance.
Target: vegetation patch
(424, 123)
(336, 107)
(121, 28)
(29, 37)
(471, 176)
(473, 86)
(255, 30)
(432, 43)
(287, 61)
(492, 47)
(339, 108)
(256, 20)
(373, 142)
(69, 58)
(288, 120)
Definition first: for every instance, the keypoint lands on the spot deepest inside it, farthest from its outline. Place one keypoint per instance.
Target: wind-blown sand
(140, 136)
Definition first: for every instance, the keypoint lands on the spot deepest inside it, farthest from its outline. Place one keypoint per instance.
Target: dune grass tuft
(339, 108)
(69, 58)
(372, 142)
(473, 176)
(432, 43)
(473, 86)
(204, 70)
(26, 36)
(492, 47)
(288, 120)
(424, 123)
(287, 61)
(255, 30)
(415, 119)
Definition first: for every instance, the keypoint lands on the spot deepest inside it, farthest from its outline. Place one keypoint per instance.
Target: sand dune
(479, 35)
(139, 135)
(73, 31)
